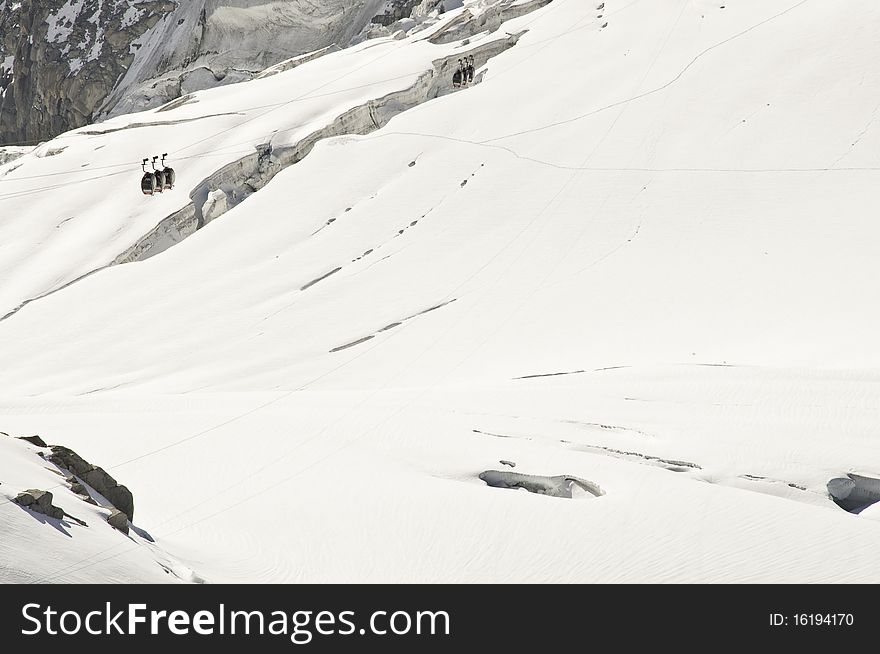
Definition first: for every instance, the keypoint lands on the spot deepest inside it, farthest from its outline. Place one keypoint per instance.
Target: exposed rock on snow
(31, 553)
(119, 496)
(80, 489)
(33, 440)
(118, 520)
(39, 501)
(557, 486)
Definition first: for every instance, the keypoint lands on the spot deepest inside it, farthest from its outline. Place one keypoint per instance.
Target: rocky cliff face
(9, 32)
(68, 63)
(64, 56)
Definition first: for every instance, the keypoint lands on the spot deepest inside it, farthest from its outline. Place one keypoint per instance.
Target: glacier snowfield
(606, 315)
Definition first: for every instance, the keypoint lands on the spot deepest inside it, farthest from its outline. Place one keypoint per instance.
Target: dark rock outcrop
(39, 501)
(118, 520)
(98, 478)
(61, 59)
(34, 440)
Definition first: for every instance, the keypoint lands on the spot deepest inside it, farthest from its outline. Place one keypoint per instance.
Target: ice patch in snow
(558, 486)
(854, 493)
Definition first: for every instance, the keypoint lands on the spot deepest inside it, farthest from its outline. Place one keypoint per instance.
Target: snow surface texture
(639, 255)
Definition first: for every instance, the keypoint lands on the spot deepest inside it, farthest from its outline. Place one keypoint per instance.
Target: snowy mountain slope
(680, 219)
(70, 62)
(217, 128)
(81, 533)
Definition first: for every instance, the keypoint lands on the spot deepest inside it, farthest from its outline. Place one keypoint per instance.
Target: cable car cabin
(170, 175)
(159, 175)
(148, 184)
(148, 181)
(155, 181)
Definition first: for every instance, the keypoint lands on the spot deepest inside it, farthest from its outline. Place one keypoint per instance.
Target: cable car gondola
(159, 179)
(459, 77)
(170, 175)
(148, 181)
(159, 175)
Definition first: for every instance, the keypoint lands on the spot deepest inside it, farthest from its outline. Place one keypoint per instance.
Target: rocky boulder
(64, 457)
(33, 440)
(118, 520)
(39, 501)
(98, 478)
